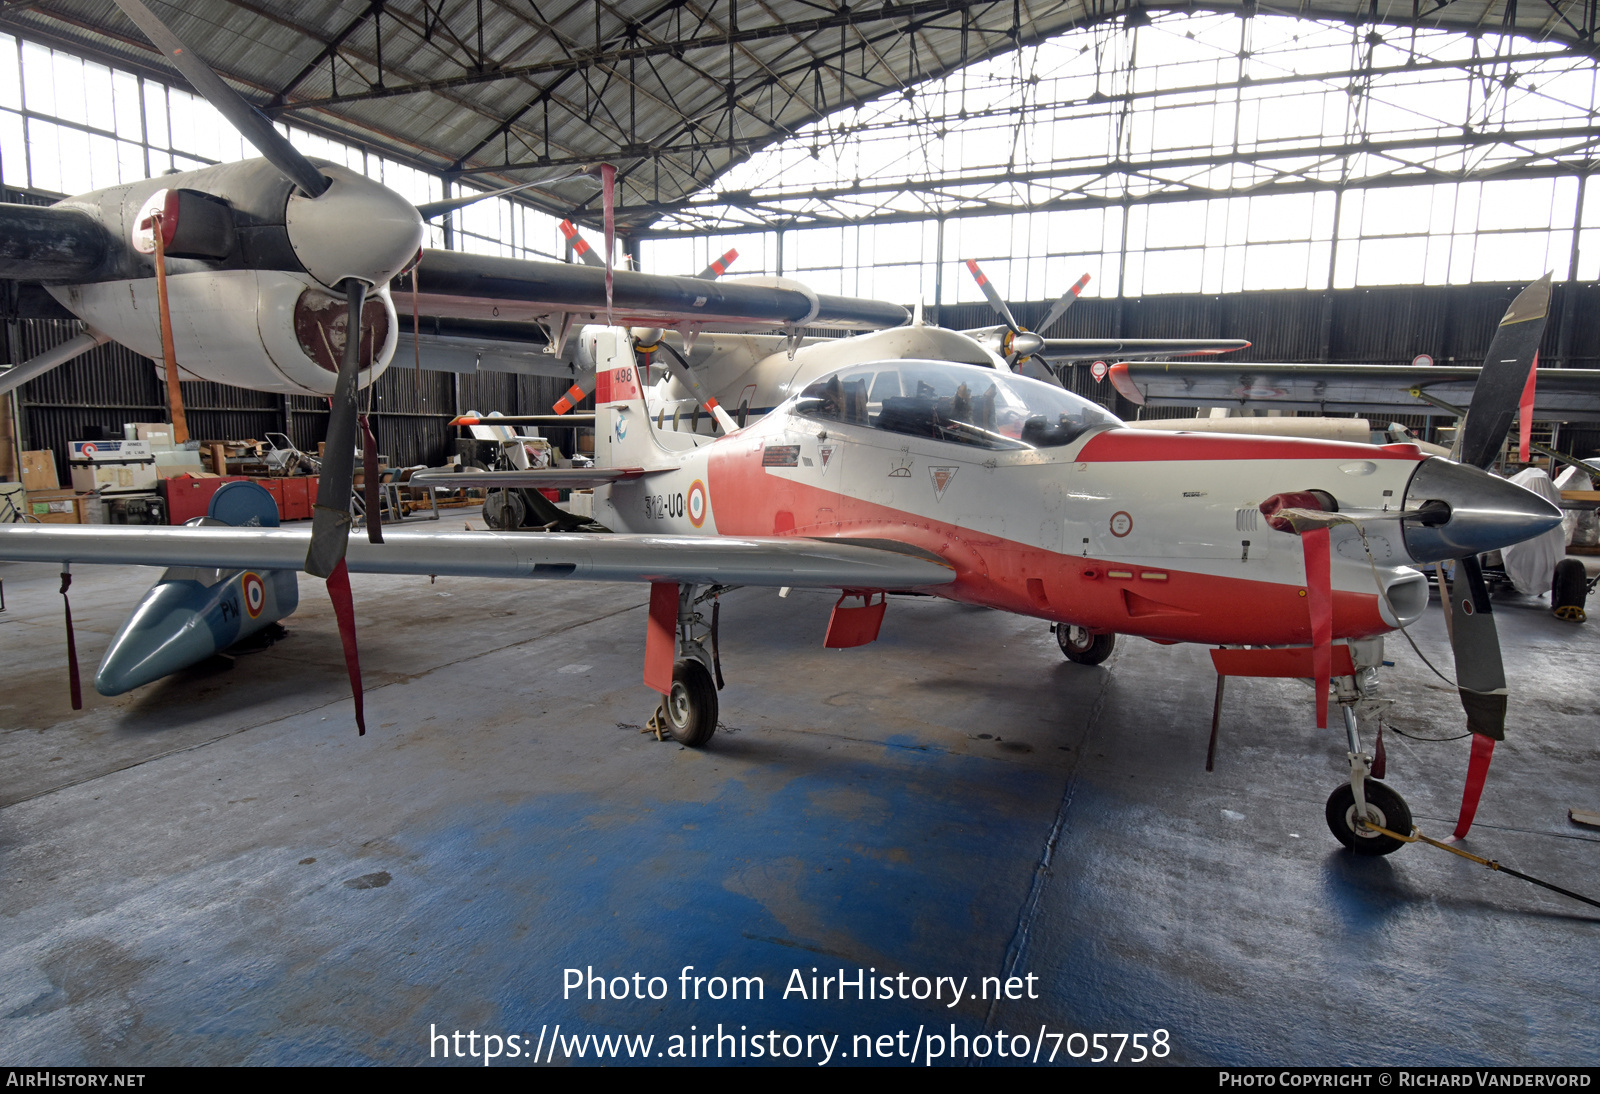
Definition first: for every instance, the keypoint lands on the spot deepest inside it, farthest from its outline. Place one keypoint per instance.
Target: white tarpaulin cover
(1531, 564)
(1581, 525)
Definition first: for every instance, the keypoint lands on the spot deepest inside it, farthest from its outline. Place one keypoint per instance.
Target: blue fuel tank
(193, 613)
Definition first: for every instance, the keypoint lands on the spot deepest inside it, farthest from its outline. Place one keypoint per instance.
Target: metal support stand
(1216, 719)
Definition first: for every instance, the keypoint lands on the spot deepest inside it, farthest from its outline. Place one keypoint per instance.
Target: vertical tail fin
(624, 435)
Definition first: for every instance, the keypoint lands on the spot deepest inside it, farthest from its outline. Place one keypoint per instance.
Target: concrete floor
(217, 870)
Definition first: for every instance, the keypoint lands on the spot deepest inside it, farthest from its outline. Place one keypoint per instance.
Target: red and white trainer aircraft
(898, 467)
(906, 470)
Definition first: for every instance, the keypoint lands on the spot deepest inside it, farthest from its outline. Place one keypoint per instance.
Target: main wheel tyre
(1082, 647)
(1384, 807)
(504, 509)
(690, 707)
(1569, 589)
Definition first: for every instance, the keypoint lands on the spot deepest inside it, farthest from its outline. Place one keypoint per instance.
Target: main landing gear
(1364, 801)
(688, 713)
(1078, 645)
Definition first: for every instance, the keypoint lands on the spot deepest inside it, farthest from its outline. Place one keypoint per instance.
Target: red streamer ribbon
(1319, 600)
(1525, 411)
(369, 481)
(608, 183)
(344, 610)
(1477, 774)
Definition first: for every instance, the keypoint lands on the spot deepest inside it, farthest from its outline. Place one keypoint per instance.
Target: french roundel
(697, 503)
(255, 594)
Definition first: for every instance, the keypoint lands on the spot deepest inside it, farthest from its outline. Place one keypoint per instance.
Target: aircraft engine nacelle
(268, 330)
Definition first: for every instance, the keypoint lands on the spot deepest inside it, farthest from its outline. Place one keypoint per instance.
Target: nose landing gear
(1352, 806)
(1384, 808)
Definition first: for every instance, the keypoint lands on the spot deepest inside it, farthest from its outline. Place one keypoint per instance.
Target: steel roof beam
(604, 55)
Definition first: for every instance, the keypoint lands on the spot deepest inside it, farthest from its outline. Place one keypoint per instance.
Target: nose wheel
(1385, 808)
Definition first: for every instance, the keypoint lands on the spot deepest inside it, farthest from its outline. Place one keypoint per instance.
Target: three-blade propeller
(253, 125)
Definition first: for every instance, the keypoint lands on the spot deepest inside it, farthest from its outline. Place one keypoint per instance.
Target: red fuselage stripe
(1141, 446)
(995, 572)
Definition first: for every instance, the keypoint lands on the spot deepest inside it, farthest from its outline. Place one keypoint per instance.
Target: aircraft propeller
(1480, 671)
(1455, 519)
(1021, 345)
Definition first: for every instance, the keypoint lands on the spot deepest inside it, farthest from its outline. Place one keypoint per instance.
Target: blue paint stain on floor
(891, 809)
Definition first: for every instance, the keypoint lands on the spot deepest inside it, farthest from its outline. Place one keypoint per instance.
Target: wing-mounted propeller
(349, 233)
(719, 266)
(255, 126)
(579, 245)
(1019, 346)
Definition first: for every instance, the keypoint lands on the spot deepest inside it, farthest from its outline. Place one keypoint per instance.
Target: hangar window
(68, 126)
(1197, 152)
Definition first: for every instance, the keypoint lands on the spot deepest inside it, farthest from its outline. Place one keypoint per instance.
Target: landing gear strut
(688, 712)
(1363, 800)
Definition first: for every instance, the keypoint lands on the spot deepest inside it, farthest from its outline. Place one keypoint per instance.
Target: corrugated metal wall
(112, 385)
(1380, 326)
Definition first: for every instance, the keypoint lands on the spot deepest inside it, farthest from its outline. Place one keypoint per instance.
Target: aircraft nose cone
(1485, 512)
(164, 634)
(356, 228)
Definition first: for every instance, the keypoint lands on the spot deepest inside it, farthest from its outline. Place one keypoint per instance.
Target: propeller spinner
(1018, 345)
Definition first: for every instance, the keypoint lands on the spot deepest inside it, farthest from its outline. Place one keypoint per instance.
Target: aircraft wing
(1084, 349)
(470, 286)
(725, 560)
(1561, 394)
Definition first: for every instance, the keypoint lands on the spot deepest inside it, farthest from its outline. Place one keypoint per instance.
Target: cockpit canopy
(950, 402)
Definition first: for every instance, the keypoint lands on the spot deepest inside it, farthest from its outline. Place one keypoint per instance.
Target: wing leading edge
(454, 283)
(1562, 394)
(725, 560)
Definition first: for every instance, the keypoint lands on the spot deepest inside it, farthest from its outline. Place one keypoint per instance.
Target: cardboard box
(59, 506)
(114, 478)
(39, 471)
(157, 433)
